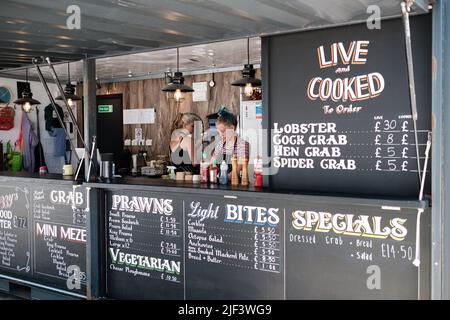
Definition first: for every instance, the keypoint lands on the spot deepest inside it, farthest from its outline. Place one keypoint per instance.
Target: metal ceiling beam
(126, 25)
(266, 11)
(207, 14)
(45, 29)
(49, 48)
(65, 56)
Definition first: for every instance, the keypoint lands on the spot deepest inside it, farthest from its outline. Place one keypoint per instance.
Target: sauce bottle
(204, 169)
(213, 171)
(223, 173)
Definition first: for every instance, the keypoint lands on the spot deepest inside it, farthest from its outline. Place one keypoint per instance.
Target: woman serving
(229, 143)
(182, 143)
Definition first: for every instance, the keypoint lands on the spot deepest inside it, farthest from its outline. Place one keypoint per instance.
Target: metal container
(106, 168)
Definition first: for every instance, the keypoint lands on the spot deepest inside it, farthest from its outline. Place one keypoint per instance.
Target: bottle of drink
(223, 173)
(204, 169)
(213, 171)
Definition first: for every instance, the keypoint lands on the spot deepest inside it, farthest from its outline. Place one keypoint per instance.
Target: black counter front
(43, 231)
(176, 240)
(144, 238)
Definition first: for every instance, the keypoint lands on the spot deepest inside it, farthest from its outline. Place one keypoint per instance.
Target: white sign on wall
(139, 116)
(201, 91)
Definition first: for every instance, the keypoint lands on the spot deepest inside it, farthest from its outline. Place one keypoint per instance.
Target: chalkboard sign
(15, 238)
(144, 246)
(59, 236)
(352, 252)
(43, 234)
(234, 248)
(339, 106)
(175, 247)
(184, 246)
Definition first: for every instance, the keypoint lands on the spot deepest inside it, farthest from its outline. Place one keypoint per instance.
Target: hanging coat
(29, 142)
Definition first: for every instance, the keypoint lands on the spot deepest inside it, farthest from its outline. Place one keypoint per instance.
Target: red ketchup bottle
(258, 170)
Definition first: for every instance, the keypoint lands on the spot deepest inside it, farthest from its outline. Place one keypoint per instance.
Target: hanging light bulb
(177, 85)
(248, 80)
(248, 90)
(69, 91)
(27, 107)
(27, 100)
(177, 95)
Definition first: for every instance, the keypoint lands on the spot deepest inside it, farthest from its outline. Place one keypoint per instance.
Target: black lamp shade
(177, 84)
(69, 92)
(27, 97)
(248, 76)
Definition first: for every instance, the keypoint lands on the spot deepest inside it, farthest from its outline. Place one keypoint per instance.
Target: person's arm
(186, 144)
(217, 151)
(175, 142)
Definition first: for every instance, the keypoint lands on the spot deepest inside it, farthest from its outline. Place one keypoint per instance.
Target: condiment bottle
(213, 171)
(204, 169)
(244, 178)
(223, 173)
(234, 171)
(258, 170)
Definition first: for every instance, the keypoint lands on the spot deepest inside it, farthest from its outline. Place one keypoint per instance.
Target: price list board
(344, 123)
(194, 247)
(354, 252)
(60, 236)
(233, 243)
(144, 246)
(15, 240)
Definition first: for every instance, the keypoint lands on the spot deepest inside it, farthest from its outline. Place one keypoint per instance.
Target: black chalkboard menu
(59, 236)
(43, 234)
(234, 248)
(15, 237)
(352, 252)
(144, 246)
(339, 109)
(183, 246)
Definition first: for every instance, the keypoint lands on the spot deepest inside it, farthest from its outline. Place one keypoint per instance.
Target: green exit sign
(105, 108)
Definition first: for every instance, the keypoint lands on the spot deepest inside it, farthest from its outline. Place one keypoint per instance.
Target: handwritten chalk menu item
(233, 248)
(351, 252)
(144, 245)
(14, 236)
(59, 236)
(340, 114)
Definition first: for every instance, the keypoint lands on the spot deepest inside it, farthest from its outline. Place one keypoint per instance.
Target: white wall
(54, 164)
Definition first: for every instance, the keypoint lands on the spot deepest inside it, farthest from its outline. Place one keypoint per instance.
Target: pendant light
(177, 85)
(69, 90)
(27, 102)
(248, 80)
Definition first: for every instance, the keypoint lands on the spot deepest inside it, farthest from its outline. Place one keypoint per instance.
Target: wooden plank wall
(148, 94)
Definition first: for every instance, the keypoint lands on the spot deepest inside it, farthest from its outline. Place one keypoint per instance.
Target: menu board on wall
(14, 230)
(340, 114)
(181, 246)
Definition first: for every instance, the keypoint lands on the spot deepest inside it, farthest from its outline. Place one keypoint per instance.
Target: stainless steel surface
(106, 170)
(108, 27)
(216, 56)
(440, 153)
